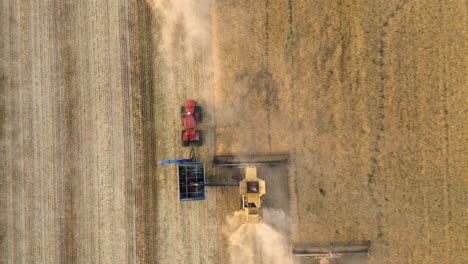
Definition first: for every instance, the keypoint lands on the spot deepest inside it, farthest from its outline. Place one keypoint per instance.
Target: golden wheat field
(368, 98)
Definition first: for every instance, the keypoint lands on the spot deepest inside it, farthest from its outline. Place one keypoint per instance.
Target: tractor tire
(198, 110)
(184, 143)
(182, 111)
(200, 138)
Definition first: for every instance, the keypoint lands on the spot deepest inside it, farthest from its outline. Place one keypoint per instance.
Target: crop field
(368, 97)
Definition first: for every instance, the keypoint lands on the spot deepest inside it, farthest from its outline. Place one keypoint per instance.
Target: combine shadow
(276, 199)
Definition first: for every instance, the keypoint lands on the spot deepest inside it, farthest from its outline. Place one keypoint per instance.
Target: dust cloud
(258, 243)
(186, 57)
(185, 49)
(191, 18)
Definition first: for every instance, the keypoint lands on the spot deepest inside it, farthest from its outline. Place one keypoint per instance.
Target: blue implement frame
(191, 181)
(176, 161)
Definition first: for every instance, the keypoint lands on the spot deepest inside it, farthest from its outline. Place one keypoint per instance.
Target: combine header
(331, 250)
(250, 160)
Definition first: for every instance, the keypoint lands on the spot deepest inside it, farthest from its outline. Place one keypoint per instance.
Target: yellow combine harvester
(251, 188)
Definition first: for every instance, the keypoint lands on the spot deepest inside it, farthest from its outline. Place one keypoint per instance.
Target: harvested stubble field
(368, 97)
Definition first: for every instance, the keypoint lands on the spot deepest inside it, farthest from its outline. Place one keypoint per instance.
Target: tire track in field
(380, 119)
(142, 83)
(380, 127)
(127, 132)
(6, 151)
(68, 253)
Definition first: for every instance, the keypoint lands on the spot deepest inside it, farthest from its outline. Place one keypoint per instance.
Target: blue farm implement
(191, 178)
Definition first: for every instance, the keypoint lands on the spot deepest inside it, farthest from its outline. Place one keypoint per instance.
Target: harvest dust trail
(257, 243)
(185, 48)
(183, 71)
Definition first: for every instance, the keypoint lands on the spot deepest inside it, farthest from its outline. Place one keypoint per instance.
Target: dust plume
(185, 52)
(258, 243)
(189, 17)
(185, 59)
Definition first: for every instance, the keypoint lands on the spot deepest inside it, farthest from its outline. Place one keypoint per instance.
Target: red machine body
(191, 135)
(191, 115)
(190, 118)
(190, 106)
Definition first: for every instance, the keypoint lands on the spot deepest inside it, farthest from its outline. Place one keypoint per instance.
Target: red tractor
(191, 116)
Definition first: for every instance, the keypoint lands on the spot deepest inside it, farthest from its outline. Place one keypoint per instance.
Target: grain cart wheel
(198, 112)
(200, 138)
(184, 143)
